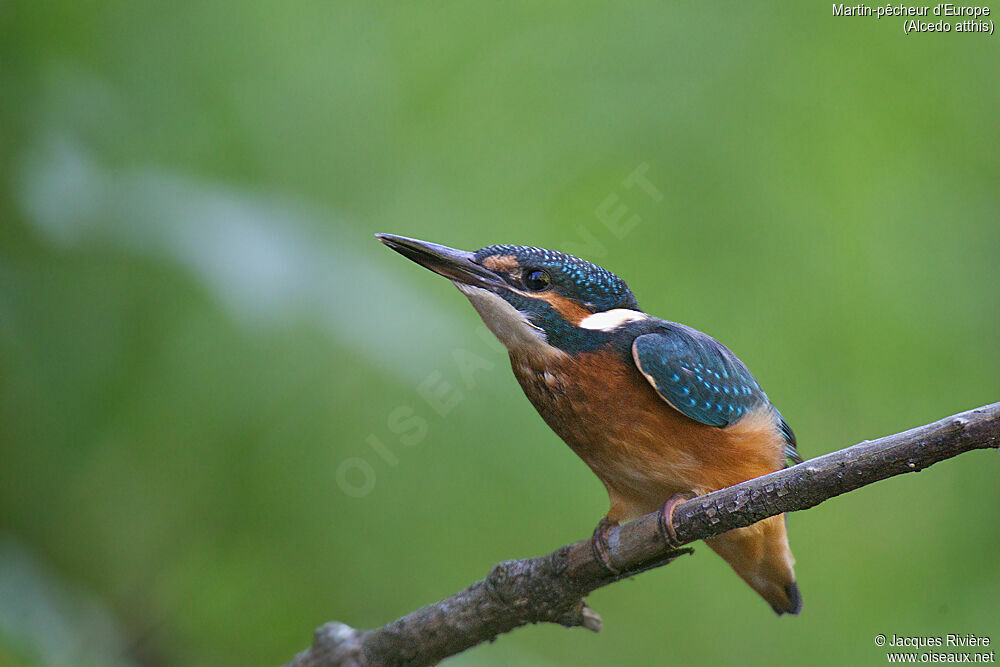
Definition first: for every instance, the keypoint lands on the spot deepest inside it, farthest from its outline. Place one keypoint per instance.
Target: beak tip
(451, 263)
(388, 239)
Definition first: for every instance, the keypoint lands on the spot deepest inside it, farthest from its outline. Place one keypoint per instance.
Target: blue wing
(791, 447)
(697, 375)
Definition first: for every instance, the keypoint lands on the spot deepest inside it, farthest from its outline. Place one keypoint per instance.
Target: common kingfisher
(658, 410)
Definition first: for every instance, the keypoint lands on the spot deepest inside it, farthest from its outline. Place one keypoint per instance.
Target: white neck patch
(507, 323)
(610, 320)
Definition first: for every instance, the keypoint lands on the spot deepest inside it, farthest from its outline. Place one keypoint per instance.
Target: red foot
(667, 519)
(600, 542)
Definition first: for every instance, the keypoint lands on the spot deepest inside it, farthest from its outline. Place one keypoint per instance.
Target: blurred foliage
(197, 329)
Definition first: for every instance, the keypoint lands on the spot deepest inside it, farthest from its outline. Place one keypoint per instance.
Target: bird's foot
(600, 543)
(667, 519)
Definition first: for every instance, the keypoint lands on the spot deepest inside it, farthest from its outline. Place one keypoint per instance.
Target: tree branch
(551, 588)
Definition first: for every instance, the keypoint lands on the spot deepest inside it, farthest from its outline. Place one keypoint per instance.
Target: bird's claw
(600, 543)
(666, 521)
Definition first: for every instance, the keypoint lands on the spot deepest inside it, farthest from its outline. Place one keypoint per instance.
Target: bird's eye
(536, 280)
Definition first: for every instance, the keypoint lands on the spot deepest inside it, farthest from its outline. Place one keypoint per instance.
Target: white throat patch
(506, 322)
(610, 320)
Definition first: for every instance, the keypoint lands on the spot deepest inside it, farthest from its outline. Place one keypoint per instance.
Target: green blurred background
(197, 329)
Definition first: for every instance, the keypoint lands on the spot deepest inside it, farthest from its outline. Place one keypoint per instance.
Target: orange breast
(642, 449)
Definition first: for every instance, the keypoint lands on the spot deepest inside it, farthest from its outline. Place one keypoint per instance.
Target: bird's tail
(761, 556)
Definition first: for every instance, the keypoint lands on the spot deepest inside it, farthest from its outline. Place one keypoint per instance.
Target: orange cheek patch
(569, 310)
(501, 263)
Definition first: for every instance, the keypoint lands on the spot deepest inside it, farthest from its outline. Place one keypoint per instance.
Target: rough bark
(551, 588)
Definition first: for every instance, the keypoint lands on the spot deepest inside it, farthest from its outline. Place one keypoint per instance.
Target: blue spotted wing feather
(791, 447)
(697, 375)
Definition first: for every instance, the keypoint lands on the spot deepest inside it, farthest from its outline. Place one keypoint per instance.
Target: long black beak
(451, 263)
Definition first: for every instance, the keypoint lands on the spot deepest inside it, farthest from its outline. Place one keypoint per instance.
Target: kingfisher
(659, 411)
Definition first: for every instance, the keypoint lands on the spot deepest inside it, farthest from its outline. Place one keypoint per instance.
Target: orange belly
(643, 450)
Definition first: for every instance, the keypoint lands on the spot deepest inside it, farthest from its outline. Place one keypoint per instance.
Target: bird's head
(531, 298)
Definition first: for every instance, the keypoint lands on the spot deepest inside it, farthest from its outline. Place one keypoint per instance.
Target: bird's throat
(509, 325)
